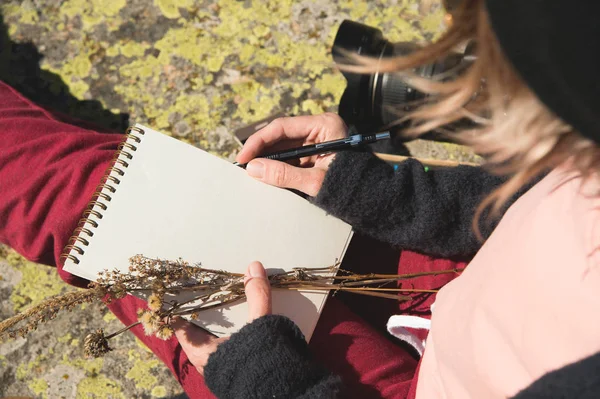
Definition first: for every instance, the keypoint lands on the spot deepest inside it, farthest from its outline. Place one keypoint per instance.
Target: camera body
(372, 102)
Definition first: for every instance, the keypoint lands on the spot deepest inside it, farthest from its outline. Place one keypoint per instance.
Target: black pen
(324, 147)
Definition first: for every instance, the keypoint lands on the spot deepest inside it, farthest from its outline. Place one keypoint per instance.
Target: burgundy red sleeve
(49, 171)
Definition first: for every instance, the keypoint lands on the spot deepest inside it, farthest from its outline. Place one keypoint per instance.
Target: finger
(189, 335)
(258, 291)
(197, 343)
(292, 128)
(281, 174)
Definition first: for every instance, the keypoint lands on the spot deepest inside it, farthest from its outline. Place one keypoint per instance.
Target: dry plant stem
(199, 298)
(8, 323)
(122, 330)
(202, 308)
(395, 297)
(48, 309)
(308, 285)
(218, 272)
(369, 282)
(208, 289)
(375, 279)
(417, 290)
(360, 291)
(398, 276)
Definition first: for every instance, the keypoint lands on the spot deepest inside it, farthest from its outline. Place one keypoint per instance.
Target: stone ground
(197, 70)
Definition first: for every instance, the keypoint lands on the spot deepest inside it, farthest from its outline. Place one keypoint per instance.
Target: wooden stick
(430, 162)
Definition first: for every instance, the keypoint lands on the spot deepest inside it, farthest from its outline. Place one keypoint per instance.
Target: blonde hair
(514, 131)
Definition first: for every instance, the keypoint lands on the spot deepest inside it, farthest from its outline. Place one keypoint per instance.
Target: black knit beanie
(555, 47)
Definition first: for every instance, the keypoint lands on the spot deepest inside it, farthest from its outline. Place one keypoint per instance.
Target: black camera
(370, 103)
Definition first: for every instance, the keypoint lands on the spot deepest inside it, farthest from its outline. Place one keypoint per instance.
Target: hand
(199, 345)
(284, 133)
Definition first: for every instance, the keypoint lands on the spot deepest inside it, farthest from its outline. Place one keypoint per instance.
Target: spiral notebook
(166, 199)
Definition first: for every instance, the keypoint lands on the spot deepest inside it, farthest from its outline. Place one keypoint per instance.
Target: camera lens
(356, 104)
(372, 102)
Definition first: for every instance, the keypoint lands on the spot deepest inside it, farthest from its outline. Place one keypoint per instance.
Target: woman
(517, 322)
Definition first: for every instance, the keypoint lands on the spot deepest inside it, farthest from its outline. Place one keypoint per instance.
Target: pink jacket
(529, 301)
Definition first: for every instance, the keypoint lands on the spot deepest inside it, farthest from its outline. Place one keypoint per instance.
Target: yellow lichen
(143, 68)
(458, 152)
(297, 89)
(94, 385)
(108, 317)
(261, 30)
(142, 346)
(215, 62)
(99, 387)
(78, 88)
(92, 366)
(141, 371)
(39, 387)
(24, 371)
(170, 8)
(29, 16)
(111, 8)
(255, 101)
(331, 84)
(92, 12)
(10, 9)
(112, 51)
(79, 66)
(397, 18)
(73, 71)
(357, 9)
(65, 338)
(37, 283)
(434, 22)
(159, 392)
(311, 107)
(133, 49)
(188, 42)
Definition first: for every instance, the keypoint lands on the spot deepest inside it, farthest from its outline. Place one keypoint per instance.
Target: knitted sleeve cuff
(345, 176)
(268, 358)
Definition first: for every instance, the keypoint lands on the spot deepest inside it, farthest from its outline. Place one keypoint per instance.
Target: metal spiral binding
(102, 196)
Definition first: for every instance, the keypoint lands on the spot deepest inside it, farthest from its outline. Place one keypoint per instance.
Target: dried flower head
(100, 290)
(159, 287)
(155, 302)
(164, 332)
(96, 344)
(150, 321)
(119, 290)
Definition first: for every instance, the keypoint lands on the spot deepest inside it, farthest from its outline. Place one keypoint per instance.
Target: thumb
(281, 174)
(258, 291)
(196, 342)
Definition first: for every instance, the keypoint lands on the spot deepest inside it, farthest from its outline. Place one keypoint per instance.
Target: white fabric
(397, 326)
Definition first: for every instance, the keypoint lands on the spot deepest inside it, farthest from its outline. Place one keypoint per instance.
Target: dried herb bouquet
(161, 281)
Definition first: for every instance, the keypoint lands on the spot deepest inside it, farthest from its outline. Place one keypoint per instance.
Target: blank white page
(177, 201)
